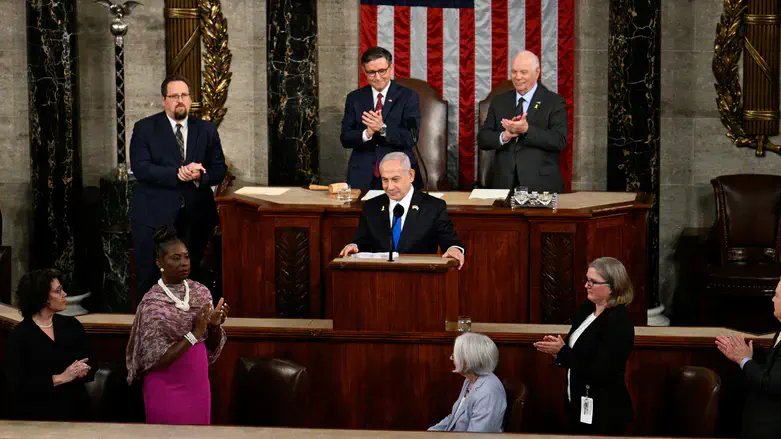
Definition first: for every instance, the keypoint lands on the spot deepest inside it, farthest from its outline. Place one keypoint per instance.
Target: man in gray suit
(528, 129)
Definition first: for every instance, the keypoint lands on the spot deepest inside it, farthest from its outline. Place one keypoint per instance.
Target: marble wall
(694, 146)
(15, 188)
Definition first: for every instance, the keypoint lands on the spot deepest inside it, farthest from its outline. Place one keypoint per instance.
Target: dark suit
(159, 194)
(400, 104)
(762, 414)
(531, 159)
(599, 361)
(425, 228)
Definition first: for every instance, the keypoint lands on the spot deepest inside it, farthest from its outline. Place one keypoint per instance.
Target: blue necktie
(396, 234)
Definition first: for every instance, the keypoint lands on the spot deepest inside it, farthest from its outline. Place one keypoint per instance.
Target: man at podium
(403, 219)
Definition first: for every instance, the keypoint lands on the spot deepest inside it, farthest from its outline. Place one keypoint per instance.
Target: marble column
(634, 92)
(292, 92)
(56, 174)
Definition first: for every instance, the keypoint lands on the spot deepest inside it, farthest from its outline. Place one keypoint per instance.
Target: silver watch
(383, 129)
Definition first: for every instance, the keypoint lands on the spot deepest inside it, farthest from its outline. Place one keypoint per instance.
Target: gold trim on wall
(728, 47)
(217, 60)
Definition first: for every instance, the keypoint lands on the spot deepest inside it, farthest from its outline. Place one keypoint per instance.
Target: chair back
(748, 220)
(695, 406)
(432, 137)
(516, 400)
(111, 399)
(485, 159)
(271, 392)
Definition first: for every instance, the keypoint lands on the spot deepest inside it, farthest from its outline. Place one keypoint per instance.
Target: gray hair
(535, 57)
(475, 353)
(614, 273)
(406, 165)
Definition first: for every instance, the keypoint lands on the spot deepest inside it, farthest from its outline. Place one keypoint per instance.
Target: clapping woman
(176, 334)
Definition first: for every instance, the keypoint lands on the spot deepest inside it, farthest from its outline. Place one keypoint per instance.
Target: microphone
(398, 212)
(412, 125)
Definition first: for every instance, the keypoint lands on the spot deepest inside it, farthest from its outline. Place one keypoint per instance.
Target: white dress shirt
(184, 130)
(384, 92)
(527, 98)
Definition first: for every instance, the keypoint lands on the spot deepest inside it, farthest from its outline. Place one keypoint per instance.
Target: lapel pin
(415, 207)
(537, 105)
(383, 209)
(390, 100)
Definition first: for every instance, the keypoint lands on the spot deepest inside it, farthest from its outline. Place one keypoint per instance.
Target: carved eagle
(116, 8)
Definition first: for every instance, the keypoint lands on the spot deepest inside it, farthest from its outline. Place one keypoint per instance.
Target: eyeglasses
(179, 97)
(373, 73)
(591, 282)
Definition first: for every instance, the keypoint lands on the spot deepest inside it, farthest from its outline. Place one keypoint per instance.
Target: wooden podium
(410, 294)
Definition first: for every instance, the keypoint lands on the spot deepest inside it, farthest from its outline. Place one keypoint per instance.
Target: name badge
(586, 409)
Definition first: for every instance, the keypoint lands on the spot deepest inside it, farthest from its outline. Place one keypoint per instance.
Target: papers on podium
(488, 194)
(371, 194)
(378, 255)
(262, 190)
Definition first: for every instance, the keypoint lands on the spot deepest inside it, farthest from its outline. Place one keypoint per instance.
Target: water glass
(464, 324)
(345, 193)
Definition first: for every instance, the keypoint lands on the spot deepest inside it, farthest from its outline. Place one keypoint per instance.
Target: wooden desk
(522, 265)
(403, 381)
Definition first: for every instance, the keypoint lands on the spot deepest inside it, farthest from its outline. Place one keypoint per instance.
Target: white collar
(404, 201)
(173, 122)
(384, 92)
(528, 96)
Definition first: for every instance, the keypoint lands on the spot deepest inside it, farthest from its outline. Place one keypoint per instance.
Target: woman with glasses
(596, 351)
(481, 404)
(47, 354)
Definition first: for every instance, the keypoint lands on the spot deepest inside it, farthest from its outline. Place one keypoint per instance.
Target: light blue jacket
(482, 410)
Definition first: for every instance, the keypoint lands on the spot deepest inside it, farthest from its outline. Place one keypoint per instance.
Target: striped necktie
(180, 139)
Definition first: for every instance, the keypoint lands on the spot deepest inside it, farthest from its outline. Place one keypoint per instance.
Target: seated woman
(47, 354)
(481, 404)
(596, 352)
(176, 334)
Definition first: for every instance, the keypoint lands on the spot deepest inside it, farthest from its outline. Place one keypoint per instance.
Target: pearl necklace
(184, 305)
(44, 326)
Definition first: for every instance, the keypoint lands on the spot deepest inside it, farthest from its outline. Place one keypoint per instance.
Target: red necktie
(377, 109)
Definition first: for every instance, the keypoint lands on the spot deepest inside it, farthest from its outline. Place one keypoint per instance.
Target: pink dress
(180, 394)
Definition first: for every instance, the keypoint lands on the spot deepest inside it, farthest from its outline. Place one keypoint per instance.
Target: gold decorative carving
(728, 47)
(217, 59)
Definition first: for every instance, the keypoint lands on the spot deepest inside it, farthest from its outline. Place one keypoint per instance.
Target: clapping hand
(202, 320)
(517, 125)
(550, 345)
(219, 314)
(373, 121)
(78, 369)
(735, 348)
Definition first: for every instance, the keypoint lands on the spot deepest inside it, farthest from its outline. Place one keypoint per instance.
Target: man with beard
(176, 159)
(528, 129)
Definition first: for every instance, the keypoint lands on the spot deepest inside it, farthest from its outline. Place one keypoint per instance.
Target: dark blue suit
(400, 104)
(159, 194)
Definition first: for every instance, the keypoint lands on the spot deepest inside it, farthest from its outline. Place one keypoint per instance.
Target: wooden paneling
(522, 265)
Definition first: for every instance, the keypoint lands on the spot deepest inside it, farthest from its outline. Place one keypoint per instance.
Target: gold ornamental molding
(197, 38)
(750, 30)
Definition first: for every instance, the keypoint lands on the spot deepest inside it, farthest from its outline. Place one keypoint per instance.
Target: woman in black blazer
(762, 412)
(596, 351)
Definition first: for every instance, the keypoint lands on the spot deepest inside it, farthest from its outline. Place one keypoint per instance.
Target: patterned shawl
(159, 324)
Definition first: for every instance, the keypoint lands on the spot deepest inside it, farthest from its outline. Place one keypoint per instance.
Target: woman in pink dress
(176, 334)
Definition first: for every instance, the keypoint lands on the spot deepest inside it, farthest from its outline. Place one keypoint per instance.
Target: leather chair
(271, 392)
(485, 159)
(516, 400)
(743, 269)
(111, 399)
(695, 405)
(432, 140)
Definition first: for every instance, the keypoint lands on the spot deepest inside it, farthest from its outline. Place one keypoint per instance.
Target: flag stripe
(401, 41)
(499, 44)
(550, 41)
(385, 27)
(418, 39)
(368, 35)
(566, 66)
(533, 18)
(483, 66)
(516, 13)
(436, 36)
(466, 152)
(450, 88)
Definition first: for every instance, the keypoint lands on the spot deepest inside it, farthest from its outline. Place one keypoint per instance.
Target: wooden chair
(485, 159)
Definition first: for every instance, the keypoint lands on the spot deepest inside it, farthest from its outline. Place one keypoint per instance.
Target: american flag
(464, 47)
